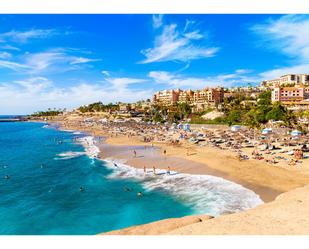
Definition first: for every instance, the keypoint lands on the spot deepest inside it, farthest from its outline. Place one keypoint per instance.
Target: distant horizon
(65, 61)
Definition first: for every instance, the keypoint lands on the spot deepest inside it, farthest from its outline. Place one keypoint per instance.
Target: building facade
(288, 95)
(167, 97)
(288, 79)
(198, 99)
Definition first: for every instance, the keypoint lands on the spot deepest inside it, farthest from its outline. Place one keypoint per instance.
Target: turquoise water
(42, 194)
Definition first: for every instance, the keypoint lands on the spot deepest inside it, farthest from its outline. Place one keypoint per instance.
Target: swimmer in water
(7, 177)
(81, 189)
(115, 164)
(42, 165)
(139, 194)
(127, 189)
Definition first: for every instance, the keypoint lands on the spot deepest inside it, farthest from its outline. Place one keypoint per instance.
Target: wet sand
(151, 156)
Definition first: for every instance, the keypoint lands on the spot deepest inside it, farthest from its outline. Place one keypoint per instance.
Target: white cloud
(24, 36)
(9, 47)
(239, 77)
(34, 84)
(288, 34)
(13, 65)
(5, 55)
(80, 60)
(56, 60)
(39, 93)
(123, 82)
(157, 21)
(173, 45)
(106, 73)
(276, 73)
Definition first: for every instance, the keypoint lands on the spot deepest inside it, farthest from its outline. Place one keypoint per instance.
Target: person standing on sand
(164, 152)
(168, 172)
(134, 153)
(145, 170)
(154, 170)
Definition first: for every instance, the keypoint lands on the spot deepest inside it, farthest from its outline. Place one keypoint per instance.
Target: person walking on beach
(145, 170)
(164, 152)
(134, 152)
(168, 172)
(154, 170)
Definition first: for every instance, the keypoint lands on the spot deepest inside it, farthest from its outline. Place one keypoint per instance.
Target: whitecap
(90, 148)
(69, 155)
(203, 193)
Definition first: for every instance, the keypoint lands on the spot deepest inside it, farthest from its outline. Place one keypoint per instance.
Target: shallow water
(46, 199)
(47, 167)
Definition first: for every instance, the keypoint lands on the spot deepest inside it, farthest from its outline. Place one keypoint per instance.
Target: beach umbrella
(266, 131)
(235, 128)
(296, 133)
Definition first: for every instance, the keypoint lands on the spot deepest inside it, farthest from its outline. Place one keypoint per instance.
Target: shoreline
(265, 180)
(179, 164)
(269, 182)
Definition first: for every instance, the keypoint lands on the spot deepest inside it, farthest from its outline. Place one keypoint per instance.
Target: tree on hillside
(278, 112)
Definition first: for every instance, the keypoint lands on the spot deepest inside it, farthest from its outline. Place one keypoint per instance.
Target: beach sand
(288, 214)
(265, 180)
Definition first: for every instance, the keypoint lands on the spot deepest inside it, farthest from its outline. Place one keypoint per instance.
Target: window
(292, 77)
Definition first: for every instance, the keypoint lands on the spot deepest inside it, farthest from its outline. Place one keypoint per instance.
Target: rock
(212, 115)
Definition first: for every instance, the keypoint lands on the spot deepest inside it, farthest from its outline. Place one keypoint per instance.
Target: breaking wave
(90, 148)
(204, 193)
(69, 155)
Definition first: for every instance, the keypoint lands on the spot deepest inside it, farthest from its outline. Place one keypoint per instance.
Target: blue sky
(70, 60)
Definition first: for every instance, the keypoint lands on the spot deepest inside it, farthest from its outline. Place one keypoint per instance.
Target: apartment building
(167, 97)
(186, 96)
(199, 99)
(287, 79)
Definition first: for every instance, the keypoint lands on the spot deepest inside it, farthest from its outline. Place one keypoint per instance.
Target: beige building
(288, 79)
(288, 95)
(167, 97)
(186, 96)
(199, 99)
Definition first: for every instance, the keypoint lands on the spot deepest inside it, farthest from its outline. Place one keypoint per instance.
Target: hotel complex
(287, 80)
(290, 89)
(198, 99)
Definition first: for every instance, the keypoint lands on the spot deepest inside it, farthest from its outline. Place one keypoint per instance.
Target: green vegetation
(173, 113)
(252, 115)
(98, 107)
(49, 113)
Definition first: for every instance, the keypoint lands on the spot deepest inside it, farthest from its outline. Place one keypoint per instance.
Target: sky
(65, 61)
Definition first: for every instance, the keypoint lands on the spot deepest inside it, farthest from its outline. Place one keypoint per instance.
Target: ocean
(51, 184)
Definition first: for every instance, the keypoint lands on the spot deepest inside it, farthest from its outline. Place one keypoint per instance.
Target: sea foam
(89, 144)
(69, 155)
(203, 193)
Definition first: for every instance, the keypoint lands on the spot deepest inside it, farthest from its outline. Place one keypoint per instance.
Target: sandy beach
(268, 181)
